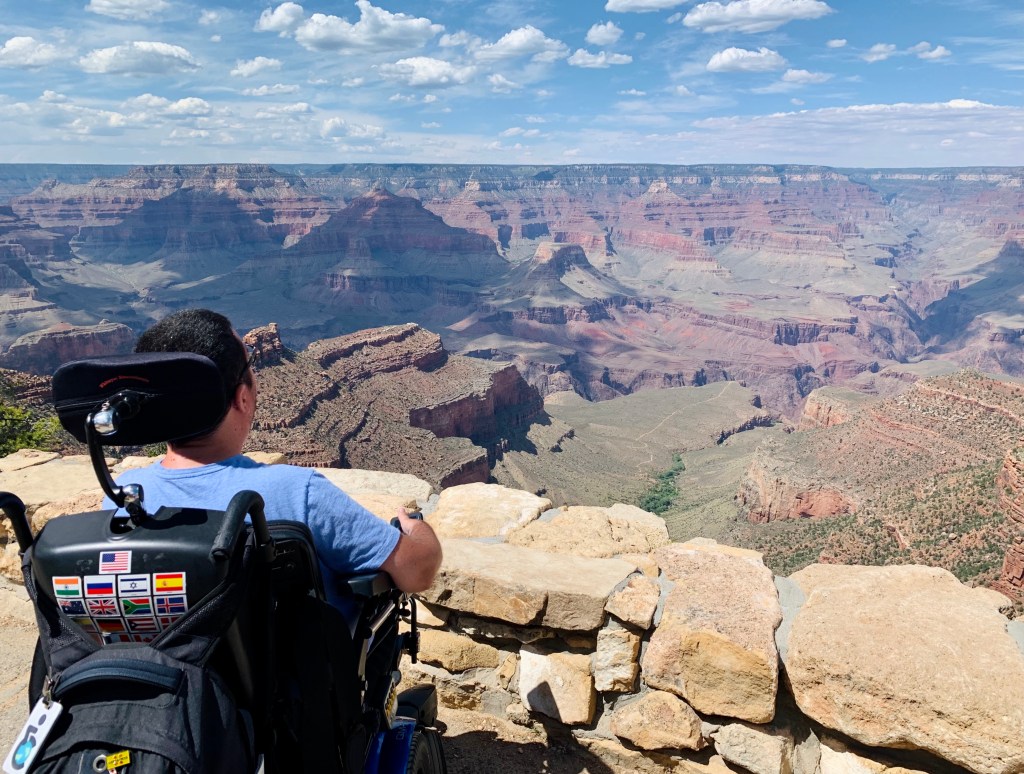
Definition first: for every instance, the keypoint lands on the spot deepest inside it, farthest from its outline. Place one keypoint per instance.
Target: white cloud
(127, 9)
(925, 51)
(804, 77)
(376, 31)
(182, 108)
(429, 99)
(138, 58)
(640, 6)
(53, 96)
(524, 41)
(460, 38)
(879, 52)
(502, 85)
(753, 15)
(215, 38)
(406, 98)
(733, 60)
(676, 17)
(536, 120)
(633, 93)
(295, 108)
(571, 152)
(797, 101)
(351, 83)
(600, 60)
(266, 90)
(427, 71)
(246, 68)
(189, 106)
(430, 125)
(338, 128)
(209, 18)
(283, 20)
(604, 34)
(27, 52)
(681, 91)
(518, 131)
(836, 43)
(181, 133)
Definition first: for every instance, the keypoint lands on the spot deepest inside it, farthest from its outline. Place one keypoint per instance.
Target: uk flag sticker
(103, 608)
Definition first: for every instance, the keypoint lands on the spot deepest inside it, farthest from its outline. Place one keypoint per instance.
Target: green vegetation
(659, 497)
(19, 429)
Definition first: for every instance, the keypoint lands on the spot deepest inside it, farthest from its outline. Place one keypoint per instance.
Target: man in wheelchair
(180, 626)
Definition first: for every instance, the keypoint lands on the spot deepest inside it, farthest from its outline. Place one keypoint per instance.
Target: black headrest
(179, 395)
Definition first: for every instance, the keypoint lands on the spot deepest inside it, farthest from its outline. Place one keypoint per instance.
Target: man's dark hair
(205, 333)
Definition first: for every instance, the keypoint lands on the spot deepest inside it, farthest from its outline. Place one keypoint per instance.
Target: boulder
(379, 482)
(658, 721)
(523, 586)
(595, 532)
(759, 751)
(636, 602)
(714, 645)
(838, 758)
(484, 510)
(559, 685)
(908, 657)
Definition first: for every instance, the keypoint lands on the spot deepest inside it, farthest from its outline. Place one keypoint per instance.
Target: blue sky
(897, 83)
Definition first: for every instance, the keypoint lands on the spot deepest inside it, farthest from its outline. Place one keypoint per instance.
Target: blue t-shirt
(348, 538)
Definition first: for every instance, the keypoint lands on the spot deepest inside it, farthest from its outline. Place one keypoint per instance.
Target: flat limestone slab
(378, 482)
(908, 657)
(524, 586)
(484, 510)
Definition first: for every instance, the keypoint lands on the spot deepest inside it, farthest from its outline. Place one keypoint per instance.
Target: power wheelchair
(243, 596)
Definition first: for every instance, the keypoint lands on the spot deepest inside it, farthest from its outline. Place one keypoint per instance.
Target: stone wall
(688, 657)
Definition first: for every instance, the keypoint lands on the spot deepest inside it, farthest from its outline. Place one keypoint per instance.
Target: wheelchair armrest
(367, 585)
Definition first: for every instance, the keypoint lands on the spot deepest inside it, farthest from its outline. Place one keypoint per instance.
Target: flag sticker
(168, 582)
(132, 585)
(99, 586)
(86, 623)
(146, 636)
(109, 637)
(167, 620)
(175, 606)
(70, 586)
(115, 561)
(103, 608)
(137, 606)
(73, 607)
(143, 625)
(111, 626)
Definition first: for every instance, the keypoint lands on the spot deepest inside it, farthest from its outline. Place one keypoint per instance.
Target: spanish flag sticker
(168, 582)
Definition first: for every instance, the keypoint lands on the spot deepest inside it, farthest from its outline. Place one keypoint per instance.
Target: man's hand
(417, 557)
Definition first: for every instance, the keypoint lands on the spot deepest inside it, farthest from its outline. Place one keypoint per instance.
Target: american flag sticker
(133, 607)
(175, 606)
(103, 608)
(132, 585)
(168, 583)
(67, 586)
(115, 561)
(73, 607)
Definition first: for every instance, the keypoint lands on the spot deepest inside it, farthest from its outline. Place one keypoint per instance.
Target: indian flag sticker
(67, 586)
(168, 583)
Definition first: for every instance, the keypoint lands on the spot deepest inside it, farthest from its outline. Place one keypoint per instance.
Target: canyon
(604, 280)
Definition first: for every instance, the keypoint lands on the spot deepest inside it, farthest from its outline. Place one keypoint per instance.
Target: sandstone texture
(757, 751)
(595, 532)
(559, 685)
(715, 646)
(454, 652)
(636, 602)
(484, 510)
(658, 721)
(891, 657)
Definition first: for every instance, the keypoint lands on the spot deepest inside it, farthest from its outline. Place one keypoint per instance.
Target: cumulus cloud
(127, 9)
(209, 18)
(681, 91)
(640, 6)
(294, 109)
(267, 90)
(633, 93)
(337, 128)
(139, 58)
(283, 20)
(460, 38)
(925, 51)
(53, 96)
(351, 83)
(599, 60)
(733, 60)
(753, 15)
(427, 72)
(524, 41)
(376, 31)
(502, 85)
(879, 52)
(836, 43)
(186, 107)
(249, 67)
(604, 34)
(804, 77)
(27, 52)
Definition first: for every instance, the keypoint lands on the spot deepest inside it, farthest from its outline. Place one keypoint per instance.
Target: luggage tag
(29, 740)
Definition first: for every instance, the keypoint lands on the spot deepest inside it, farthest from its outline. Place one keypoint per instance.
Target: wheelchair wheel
(426, 755)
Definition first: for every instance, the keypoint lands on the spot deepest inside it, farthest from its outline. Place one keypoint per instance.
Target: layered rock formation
(1010, 483)
(41, 352)
(644, 656)
(390, 399)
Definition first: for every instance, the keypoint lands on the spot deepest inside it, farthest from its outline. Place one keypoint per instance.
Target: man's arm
(416, 559)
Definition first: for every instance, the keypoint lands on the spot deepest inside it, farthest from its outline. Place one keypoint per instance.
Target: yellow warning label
(118, 759)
